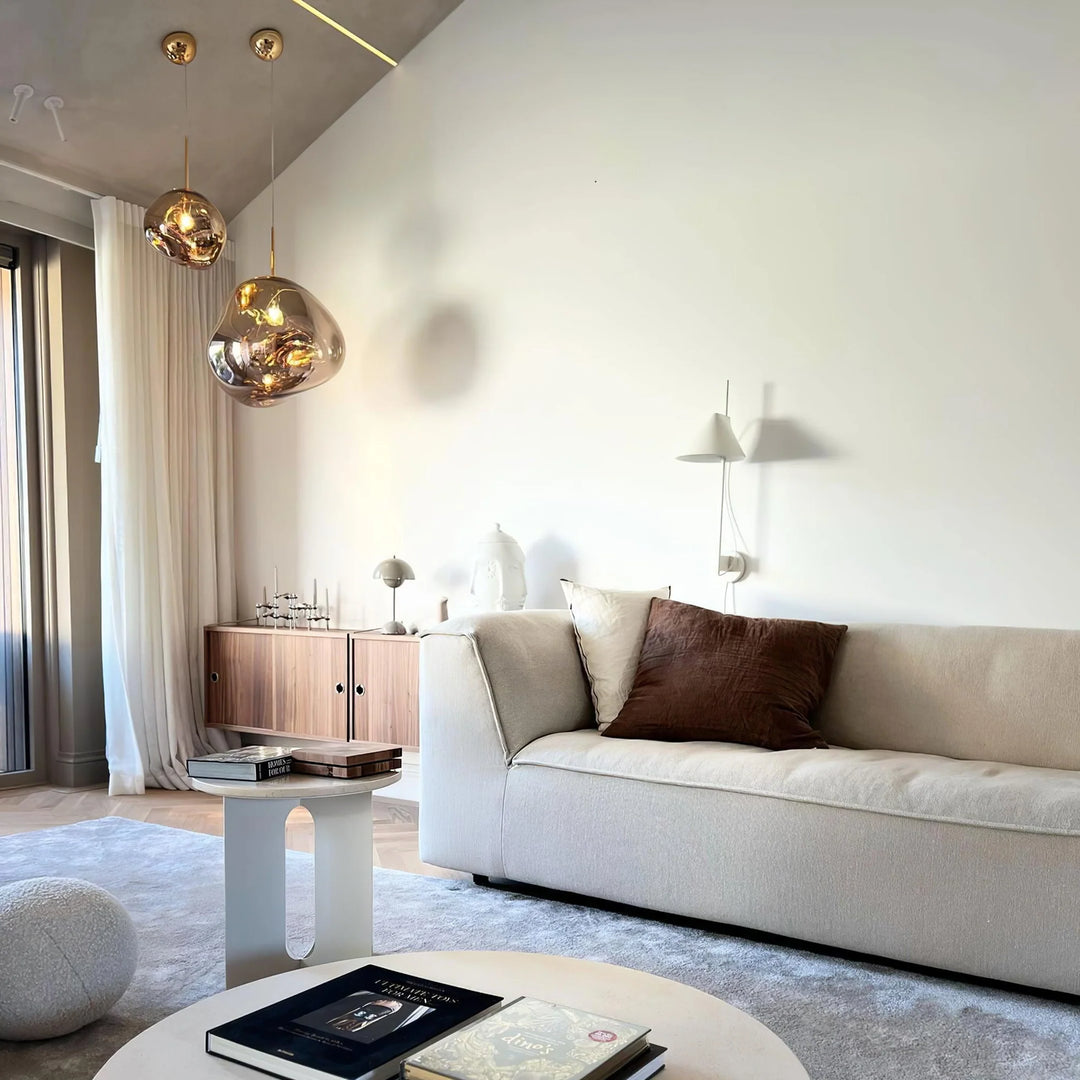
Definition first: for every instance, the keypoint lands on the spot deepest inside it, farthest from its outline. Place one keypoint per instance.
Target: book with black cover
(245, 763)
(358, 1026)
(648, 1063)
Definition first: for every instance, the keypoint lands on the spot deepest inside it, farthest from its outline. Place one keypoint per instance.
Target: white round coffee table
(707, 1039)
(255, 816)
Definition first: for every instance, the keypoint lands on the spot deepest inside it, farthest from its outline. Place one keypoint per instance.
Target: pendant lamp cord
(187, 129)
(272, 207)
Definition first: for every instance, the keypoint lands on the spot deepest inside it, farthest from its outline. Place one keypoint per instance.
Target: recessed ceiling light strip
(341, 30)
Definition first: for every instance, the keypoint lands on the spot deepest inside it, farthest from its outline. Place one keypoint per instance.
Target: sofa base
(976, 900)
(748, 933)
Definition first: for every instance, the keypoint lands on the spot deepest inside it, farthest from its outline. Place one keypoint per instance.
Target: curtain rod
(51, 179)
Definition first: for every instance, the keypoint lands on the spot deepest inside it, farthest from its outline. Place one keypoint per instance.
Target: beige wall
(560, 225)
(77, 715)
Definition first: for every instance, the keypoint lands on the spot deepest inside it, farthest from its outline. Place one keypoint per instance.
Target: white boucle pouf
(67, 953)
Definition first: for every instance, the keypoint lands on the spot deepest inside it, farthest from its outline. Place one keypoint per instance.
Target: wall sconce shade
(715, 443)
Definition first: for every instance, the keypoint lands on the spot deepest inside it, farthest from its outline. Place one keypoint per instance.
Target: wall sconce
(717, 444)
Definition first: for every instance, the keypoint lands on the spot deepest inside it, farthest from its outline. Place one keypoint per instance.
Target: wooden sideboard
(314, 684)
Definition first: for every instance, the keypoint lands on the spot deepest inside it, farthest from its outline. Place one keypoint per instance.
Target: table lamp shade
(393, 572)
(716, 442)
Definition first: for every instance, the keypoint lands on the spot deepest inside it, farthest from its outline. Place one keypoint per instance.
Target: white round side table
(255, 816)
(707, 1039)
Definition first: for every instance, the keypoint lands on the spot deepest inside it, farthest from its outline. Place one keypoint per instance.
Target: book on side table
(346, 760)
(358, 1026)
(247, 763)
(539, 1040)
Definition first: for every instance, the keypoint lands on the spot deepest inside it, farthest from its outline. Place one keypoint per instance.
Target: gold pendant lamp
(274, 338)
(186, 227)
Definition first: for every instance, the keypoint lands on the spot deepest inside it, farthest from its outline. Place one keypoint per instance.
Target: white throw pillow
(610, 627)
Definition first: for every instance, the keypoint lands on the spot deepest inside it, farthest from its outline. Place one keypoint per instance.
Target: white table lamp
(393, 572)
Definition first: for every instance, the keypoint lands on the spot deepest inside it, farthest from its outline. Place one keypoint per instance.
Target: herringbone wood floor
(25, 809)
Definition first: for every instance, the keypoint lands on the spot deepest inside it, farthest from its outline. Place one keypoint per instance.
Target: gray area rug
(845, 1020)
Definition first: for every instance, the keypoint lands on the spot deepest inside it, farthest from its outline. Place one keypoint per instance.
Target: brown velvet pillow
(705, 675)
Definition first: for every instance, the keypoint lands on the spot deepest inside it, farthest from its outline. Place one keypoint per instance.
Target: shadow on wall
(451, 577)
(549, 559)
(775, 439)
(426, 344)
(443, 356)
(784, 439)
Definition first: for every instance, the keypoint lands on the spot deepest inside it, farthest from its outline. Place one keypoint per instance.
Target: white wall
(555, 230)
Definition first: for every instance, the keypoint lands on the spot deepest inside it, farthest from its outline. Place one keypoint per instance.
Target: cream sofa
(941, 828)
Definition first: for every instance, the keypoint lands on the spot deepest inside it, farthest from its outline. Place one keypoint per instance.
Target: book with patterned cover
(535, 1039)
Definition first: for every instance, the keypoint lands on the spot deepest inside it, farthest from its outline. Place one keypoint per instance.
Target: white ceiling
(123, 109)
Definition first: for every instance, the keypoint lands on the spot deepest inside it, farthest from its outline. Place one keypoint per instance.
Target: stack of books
(540, 1040)
(346, 761)
(374, 1024)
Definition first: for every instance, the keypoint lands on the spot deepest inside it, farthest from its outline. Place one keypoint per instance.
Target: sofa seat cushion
(1020, 798)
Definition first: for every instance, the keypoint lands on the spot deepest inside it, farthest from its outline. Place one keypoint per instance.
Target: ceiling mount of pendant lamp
(186, 227)
(274, 339)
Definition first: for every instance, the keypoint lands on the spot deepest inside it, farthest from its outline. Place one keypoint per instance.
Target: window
(19, 502)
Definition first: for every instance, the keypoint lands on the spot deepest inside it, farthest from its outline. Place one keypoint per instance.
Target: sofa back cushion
(983, 693)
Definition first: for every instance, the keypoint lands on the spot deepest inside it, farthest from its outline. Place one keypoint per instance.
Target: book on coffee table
(358, 1026)
(246, 763)
(538, 1040)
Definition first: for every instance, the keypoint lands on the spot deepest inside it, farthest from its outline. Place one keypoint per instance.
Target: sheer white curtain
(166, 499)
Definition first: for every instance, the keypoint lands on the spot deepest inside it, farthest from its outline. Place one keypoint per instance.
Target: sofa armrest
(489, 685)
(530, 670)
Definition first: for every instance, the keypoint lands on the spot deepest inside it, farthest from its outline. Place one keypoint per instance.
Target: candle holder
(288, 610)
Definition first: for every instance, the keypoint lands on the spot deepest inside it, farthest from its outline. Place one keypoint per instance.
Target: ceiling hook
(54, 105)
(23, 92)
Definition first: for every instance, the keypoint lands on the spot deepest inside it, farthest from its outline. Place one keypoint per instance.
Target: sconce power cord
(740, 545)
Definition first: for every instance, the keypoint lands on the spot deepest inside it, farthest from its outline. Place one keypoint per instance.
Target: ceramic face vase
(498, 579)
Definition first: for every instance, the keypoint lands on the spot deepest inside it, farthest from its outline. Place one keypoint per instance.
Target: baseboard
(81, 768)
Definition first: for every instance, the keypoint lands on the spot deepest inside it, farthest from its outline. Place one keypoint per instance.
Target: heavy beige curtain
(166, 499)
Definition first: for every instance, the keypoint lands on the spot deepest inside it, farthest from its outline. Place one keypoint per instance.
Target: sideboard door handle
(214, 676)
(340, 688)
(359, 689)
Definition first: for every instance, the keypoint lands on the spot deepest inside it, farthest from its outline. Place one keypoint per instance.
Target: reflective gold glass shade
(274, 339)
(186, 227)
